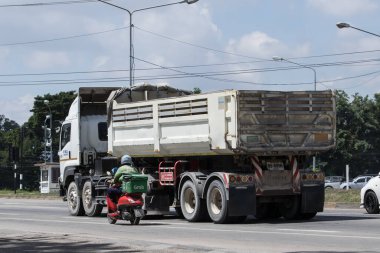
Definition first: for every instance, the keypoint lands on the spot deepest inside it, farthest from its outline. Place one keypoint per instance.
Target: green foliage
(197, 90)
(34, 132)
(29, 138)
(358, 136)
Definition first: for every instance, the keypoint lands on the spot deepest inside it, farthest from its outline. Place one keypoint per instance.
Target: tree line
(358, 135)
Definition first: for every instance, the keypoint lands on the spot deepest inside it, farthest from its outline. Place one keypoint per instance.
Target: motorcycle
(129, 204)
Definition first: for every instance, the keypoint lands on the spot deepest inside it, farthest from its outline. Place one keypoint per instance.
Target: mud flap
(242, 201)
(313, 198)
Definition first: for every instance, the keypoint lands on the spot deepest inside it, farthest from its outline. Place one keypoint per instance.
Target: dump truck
(219, 155)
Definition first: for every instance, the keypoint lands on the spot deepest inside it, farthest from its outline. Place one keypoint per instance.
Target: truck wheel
(192, 205)
(289, 209)
(371, 203)
(307, 216)
(74, 201)
(217, 202)
(90, 208)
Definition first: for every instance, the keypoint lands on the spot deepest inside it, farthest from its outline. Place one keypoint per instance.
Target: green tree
(357, 125)
(34, 132)
(9, 137)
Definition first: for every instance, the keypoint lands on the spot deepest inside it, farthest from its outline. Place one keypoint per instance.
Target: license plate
(275, 166)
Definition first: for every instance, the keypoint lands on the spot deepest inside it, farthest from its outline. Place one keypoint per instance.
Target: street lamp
(276, 58)
(50, 117)
(345, 25)
(131, 28)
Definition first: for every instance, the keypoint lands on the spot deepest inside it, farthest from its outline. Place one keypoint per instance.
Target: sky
(60, 45)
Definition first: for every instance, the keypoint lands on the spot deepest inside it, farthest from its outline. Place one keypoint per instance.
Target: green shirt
(125, 169)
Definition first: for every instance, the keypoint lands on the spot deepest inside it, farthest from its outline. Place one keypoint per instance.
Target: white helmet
(126, 160)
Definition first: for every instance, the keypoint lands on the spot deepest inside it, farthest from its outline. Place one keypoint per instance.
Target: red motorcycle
(129, 204)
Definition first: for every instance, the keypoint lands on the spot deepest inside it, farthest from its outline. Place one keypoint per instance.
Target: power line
(199, 46)
(47, 4)
(185, 75)
(64, 38)
(290, 67)
(326, 81)
(245, 56)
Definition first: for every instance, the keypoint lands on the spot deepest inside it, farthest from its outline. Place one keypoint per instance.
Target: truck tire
(90, 208)
(290, 209)
(192, 206)
(74, 200)
(307, 216)
(217, 202)
(371, 203)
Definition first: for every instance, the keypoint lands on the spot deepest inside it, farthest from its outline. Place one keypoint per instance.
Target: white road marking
(307, 230)
(169, 226)
(10, 214)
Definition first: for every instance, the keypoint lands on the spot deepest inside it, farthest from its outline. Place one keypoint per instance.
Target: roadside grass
(26, 194)
(342, 196)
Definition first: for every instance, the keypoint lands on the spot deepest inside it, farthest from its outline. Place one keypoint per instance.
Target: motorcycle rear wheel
(135, 220)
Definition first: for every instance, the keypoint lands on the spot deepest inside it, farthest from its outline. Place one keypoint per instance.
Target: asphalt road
(45, 226)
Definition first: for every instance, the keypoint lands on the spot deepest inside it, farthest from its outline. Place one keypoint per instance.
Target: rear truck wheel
(307, 216)
(217, 202)
(90, 208)
(290, 208)
(74, 200)
(371, 203)
(192, 206)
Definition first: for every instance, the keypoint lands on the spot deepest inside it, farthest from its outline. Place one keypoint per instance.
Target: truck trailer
(219, 155)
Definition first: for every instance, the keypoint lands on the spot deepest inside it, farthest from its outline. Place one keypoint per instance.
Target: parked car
(357, 183)
(370, 194)
(333, 182)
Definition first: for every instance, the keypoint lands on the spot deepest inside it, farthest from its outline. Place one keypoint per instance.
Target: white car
(333, 182)
(357, 183)
(369, 195)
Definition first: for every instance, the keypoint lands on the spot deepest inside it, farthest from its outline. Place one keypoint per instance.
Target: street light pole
(131, 55)
(342, 25)
(46, 102)
(276, 58)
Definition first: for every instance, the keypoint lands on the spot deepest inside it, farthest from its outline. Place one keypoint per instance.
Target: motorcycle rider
(126, 167)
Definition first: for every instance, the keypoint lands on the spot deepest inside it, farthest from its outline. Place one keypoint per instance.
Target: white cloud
(4, 53)
(260, 45)
(46, 59)
(344, 7)
(17, 109)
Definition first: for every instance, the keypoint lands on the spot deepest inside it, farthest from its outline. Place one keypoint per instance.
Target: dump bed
(224, 122)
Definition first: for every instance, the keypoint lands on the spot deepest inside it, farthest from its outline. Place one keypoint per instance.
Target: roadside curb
(9, 196)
